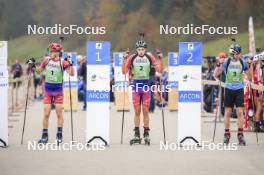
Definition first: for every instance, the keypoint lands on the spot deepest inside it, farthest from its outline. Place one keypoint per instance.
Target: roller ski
(241, 140)
(146, 137)
(136, 139)
(44, 139)
(226, 139)
(59, 138)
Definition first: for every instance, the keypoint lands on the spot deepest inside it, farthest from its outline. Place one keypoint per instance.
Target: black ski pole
(123, 112)
(61, 40)
(71, 106)
(25, 111)
(124, 101)
(162, 111)
(216, 111)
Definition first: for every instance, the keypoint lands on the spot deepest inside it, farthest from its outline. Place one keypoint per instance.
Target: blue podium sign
(190, 92)
(98, 92)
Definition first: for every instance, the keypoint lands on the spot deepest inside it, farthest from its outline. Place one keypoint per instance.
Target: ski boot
(241, 140)
(59, 138)
(146, 136)
(136, 138)
(44, 139)
(226, 138)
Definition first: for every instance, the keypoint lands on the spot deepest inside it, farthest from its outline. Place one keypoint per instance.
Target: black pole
(61, 40)
(216, 111)
(123, 112)
(25, 111)
(162, 111)
(71, 107)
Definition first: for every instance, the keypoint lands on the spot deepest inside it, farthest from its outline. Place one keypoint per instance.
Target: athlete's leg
(59, 111)
(258, 122)
(240, 117)
(239, 102)
(146, 103)
(137, 108)
(228, 113)
(47, 109)
(59, 115)
(229, 104)
(59, 106)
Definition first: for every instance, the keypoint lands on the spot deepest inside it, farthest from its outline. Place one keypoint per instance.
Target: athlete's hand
(31, 62)
(126, 54)
(70, 62)
(159, 53)
(220, 61)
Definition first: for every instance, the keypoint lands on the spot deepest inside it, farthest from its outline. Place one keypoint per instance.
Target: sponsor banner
(4, 107)
(3, 54)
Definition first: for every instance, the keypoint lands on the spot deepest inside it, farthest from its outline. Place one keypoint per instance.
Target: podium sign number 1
(98, 92)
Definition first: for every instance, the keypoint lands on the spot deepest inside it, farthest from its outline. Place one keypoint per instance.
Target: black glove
(31, 61)
(69, 61)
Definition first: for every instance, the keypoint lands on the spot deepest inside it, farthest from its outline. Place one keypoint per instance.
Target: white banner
(190, 87)
(4, 107)
(98, 92)
(3, 54)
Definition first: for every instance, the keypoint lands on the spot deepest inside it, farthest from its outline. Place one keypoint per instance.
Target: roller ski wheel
(44, 139)
(241, 140)
(146, 136)
(135, 141)
(147, 141)
(226, 139)
(59, 139)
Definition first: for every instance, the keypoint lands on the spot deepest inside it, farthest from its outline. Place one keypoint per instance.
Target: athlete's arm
(70, 71)
(217, 72)
(251, 72)
(159, 64)
(42, 66)
(219, 69)
(246, 70)
(126, 63)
